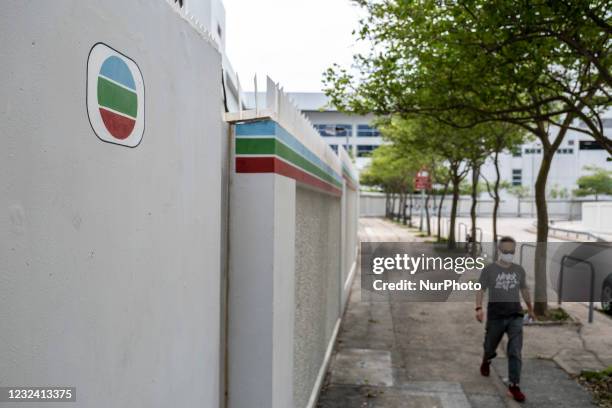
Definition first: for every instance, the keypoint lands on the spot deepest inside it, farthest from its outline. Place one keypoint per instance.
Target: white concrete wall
(597, 216)
(351, 209)
(109, 256)
(261, 296)
(350, 221)
(293, 234)
(373, 205)
(317, 286)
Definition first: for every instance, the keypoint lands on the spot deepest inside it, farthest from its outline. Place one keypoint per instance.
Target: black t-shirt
(504, 286)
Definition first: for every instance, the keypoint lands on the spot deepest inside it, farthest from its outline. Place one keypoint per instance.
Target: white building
(354, 131)
(575, 152)
(521, 168)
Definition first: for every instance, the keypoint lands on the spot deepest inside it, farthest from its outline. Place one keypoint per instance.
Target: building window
(516, 152)
(517, 177)
(590, 145)
(533, 151)
(565, 151)
(219, 30)
(570, 142)
(326, 130)
(367, 131)
(180, 2)
(365, 150)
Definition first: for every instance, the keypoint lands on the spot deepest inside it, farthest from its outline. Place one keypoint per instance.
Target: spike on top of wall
(189, 18)
(279, 107)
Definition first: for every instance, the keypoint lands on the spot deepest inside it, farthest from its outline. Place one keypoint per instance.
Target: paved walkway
(405, 354)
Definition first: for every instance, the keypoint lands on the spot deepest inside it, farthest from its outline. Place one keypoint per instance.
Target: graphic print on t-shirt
(506, 281)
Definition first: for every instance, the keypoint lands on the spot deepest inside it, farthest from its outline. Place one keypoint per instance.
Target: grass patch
(557, 315)
(600, 385)
(554, 315)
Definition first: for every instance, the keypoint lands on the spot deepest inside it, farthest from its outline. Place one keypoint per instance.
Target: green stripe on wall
(113, 96)
(274, 147)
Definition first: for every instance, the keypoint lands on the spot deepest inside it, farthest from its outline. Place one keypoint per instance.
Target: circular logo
(117, 99)
(115, 96)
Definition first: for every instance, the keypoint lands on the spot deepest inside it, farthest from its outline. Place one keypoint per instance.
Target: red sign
(422, 181)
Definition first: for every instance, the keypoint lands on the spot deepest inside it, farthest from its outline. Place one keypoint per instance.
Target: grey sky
(290, 40)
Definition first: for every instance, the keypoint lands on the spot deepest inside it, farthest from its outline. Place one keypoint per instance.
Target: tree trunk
(475, 177)
(496, 198)
(387, 204)
(398, 214)
(403, 209)
(452, 242)
(421, 211)
(410, 215)
(440, 210)
(428, 222)
(548, 149)
(541, 299)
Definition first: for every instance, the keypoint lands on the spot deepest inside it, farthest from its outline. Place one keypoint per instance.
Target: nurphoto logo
(115, 96)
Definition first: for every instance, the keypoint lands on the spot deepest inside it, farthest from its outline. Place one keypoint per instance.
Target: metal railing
(576, 234)
(592, 286)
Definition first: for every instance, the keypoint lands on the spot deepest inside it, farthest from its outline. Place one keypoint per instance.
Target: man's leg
(515, 347)
(493, 334)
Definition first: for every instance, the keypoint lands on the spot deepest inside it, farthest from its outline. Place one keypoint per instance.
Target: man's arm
(527, 299)
(479, 312)
(483, 280)
(526, 295)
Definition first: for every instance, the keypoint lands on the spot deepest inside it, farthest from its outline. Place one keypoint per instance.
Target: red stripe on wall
(274, 165)
(118, 126)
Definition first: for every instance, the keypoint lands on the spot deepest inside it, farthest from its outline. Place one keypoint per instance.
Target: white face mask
(506, 257)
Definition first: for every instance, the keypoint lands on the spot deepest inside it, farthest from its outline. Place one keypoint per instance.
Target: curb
(573, 322)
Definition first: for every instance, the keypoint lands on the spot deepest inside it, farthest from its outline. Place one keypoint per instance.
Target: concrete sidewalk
(393, 353)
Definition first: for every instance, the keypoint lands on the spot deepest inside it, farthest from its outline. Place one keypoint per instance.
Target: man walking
(504, 279)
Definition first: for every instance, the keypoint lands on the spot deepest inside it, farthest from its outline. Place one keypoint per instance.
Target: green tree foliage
(393, 173)
(539, 65)
(597, 183)
(427, 140)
